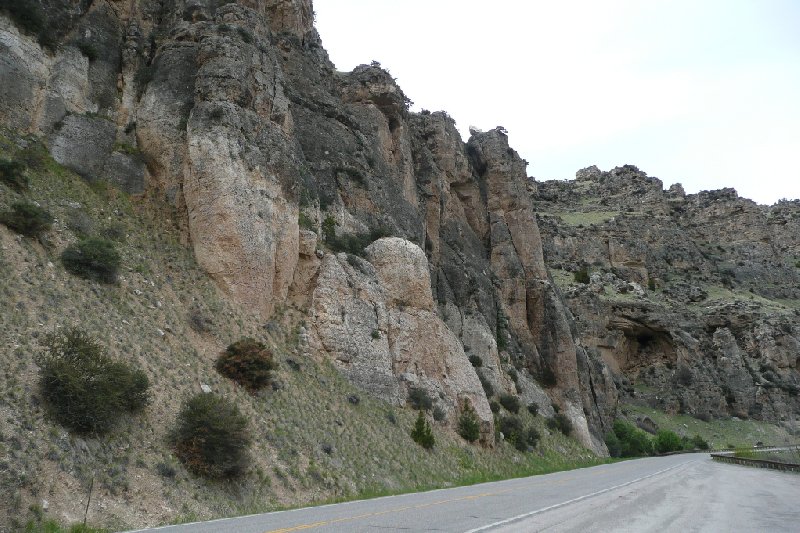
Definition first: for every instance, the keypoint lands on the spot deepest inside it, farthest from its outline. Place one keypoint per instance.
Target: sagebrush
(85, 389)
(211, 437)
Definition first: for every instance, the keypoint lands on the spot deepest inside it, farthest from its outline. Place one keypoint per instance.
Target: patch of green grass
(587, 218)
(719, 433)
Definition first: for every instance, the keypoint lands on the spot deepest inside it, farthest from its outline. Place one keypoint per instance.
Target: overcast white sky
(701, 92)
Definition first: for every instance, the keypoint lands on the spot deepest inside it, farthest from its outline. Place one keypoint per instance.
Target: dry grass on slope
(310, 442)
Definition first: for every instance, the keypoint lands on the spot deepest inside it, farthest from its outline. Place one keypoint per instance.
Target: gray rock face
(234, 115)
(692, 300)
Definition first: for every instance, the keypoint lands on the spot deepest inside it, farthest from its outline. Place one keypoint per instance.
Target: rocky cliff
(233, 114)
(692, 300)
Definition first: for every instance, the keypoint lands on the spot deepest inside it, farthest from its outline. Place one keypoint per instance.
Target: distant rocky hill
(383, 244)
(692, 300)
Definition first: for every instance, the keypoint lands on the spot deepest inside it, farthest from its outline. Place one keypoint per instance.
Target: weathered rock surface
(376, 318)
(692, 300)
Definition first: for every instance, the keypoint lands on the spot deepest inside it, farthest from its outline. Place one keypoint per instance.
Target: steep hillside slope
(316, 436)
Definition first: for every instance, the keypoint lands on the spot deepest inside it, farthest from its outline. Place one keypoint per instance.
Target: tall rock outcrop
(234, 115)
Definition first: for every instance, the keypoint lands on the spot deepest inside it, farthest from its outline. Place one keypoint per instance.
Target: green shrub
(667, 441)
(26, 14)
(613, 444)
(633, 442)
(532, 437)
(12, 173)
(419, 399)
(468, 424)
(699, 443)
(533, 409)
(510, 402)
(353, 244)
(247, 362)
(422, 433)
(494, 405)
(85, 389)
(561, 423)
(211, 437)
(438, 414)
(92, 258)
(88, 49)
(513, 432)
(475, 361)
(486, 384)
(582, 276)
(27, 218)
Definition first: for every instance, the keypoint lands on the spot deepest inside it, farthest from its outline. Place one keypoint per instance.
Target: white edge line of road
(351, 502)
(579, 498)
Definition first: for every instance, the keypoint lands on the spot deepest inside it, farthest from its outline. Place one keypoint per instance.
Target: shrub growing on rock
(12, 173)
(511, 427)
(247, 362)
(476, 361)
(468, 424)
(532, 437)
(92, 258)
(582, 275)
(510, 402)
(533, 409)
(84, 388)
(561, 423)
(211, 437)
(419, 399)
(27, 218)
(422, 433)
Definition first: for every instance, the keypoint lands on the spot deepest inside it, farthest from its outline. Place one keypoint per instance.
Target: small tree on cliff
(422, 433)
(468, 423)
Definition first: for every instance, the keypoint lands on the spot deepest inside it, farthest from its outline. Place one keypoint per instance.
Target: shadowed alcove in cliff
(641, 345)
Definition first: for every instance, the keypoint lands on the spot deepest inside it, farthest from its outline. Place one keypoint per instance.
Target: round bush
(92, 258)
(211, 437)
(12, 173)
(27, 218)
(247, 362)
(667, 441)
(419, 399)
(85, 389)
(511, 426)
(510, 402)
(561, 423)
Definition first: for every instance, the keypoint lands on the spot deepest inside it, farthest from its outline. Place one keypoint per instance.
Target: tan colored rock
(403, 271)
(377, 322)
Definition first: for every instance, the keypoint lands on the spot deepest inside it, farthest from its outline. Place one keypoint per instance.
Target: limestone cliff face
(235, 116)
(691, 300)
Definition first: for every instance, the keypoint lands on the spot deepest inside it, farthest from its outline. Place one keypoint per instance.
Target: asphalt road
(677, 493)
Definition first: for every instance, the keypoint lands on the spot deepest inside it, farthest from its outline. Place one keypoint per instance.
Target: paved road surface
(681, 493)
